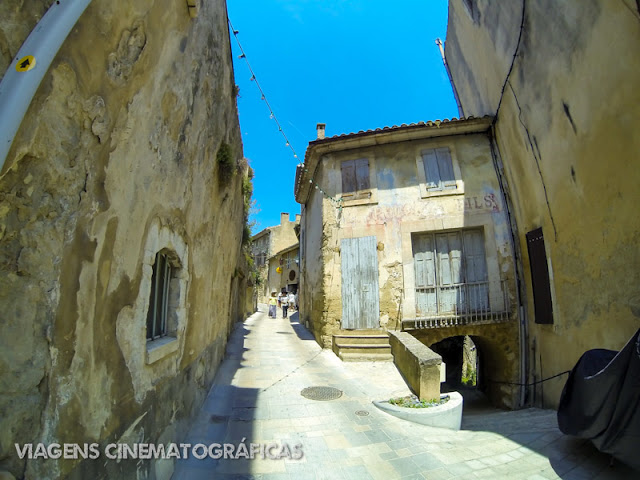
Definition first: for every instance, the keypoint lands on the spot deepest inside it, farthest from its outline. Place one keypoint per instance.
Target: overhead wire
(272, 115)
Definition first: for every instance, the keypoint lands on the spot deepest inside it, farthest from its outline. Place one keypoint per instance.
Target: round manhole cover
(362, 413)
(321, 393)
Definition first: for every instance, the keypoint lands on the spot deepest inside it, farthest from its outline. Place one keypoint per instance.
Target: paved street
(256, 399)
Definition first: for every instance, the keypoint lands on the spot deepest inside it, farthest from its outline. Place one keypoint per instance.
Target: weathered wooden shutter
(475, 261)
(431, 170)
(449, 254)
(360, 293)
(362, 174)
(475, 269)
(540, 277)
(445, 167)
(425, 274)
(348, 177)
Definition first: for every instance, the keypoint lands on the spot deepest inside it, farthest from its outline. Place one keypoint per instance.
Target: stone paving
(256, 399)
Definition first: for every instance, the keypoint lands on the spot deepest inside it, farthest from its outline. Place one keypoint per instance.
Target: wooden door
(360, 294)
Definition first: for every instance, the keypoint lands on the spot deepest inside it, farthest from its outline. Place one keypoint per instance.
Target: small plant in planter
(412, 401)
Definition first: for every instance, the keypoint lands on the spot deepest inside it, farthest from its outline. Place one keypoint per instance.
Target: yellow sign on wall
(26, 63)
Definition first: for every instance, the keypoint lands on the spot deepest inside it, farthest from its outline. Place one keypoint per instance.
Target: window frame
(158, 313)
(453, 186)
(164, 342)
(364, 196)
(439, 282)
(361, 183)
(540, 277)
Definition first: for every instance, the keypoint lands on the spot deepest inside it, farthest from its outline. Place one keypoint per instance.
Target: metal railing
(464, 304)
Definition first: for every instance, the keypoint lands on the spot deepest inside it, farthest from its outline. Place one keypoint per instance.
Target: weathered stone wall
(566, 131)
(311, 296)
(115, 159)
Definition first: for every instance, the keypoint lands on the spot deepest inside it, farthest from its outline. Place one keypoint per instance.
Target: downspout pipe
(453, 85)
(31, 63)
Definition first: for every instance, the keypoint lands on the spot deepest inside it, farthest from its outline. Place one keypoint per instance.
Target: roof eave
(404, 133)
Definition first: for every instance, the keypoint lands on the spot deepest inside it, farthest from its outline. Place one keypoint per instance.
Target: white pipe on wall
(21, 80)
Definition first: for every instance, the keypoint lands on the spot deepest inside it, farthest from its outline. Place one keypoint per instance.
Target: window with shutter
(540, 283)
(450, 273)
(438, 169)
(356, 181)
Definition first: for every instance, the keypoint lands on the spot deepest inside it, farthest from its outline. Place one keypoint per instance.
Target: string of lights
(272, 115)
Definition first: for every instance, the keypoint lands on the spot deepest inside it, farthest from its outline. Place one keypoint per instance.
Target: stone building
(284, 272)
(267, 247)
(405, 228)
(561, 80)
(120, 191)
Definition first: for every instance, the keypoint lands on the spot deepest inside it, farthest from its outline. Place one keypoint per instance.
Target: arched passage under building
(494, 351)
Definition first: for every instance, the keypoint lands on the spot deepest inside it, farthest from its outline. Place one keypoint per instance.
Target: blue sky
(354, 65)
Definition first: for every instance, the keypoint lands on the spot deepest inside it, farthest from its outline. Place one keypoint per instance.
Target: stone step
(365, 357)
(363, 348)
(361, 339)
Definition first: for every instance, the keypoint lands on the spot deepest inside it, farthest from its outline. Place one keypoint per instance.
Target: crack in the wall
(568, 114)
(513, 61)
(537, 159)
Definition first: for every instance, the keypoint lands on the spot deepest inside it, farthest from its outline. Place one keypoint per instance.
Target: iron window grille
(157, 316)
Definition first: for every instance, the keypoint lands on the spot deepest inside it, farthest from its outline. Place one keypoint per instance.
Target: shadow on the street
(299, 329)
(537, 430)
(227, 416)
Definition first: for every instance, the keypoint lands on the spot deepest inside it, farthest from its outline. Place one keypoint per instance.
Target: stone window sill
(425, 193)
(161, 348)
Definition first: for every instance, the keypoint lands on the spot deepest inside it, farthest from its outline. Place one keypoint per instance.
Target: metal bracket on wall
(31, 63)
(194, 7)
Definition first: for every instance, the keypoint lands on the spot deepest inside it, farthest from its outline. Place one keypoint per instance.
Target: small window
(355, 179)
(158, 315)
(540, 282)
(438, 169)
(261, 259)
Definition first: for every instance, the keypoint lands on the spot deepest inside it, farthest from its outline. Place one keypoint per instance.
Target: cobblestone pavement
(256, 399)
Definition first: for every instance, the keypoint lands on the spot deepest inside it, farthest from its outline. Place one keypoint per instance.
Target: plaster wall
(116, 159)
(566, 132)
(283, 235)
(286, 261)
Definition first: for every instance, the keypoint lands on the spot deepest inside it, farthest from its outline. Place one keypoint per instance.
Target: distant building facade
(407, 230)
(284, 272)
(266, 248)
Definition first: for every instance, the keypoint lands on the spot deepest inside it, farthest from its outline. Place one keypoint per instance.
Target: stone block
(418, 364)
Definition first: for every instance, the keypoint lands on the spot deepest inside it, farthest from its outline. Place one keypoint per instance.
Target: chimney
(284, 218)
(320, 130)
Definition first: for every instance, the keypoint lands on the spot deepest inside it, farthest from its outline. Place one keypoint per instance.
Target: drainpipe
(31, 63)
(453, 85)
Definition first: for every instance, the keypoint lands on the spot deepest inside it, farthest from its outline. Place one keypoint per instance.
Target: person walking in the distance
(273, 304)
(284, 301)
(292, 301)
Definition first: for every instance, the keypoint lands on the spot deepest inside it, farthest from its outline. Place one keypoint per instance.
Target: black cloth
(601, 401)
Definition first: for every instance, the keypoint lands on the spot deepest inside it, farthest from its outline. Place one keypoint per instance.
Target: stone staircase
(362, 346)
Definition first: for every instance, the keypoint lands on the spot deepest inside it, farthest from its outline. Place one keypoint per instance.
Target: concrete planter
(448, 415)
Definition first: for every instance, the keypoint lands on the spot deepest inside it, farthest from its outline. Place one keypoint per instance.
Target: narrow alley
(256, 399)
